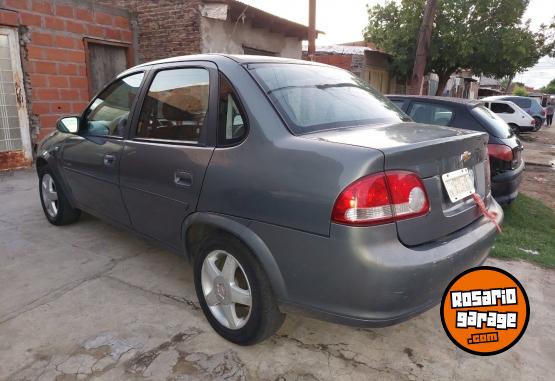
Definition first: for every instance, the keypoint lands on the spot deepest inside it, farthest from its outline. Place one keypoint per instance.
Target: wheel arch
(198, 225)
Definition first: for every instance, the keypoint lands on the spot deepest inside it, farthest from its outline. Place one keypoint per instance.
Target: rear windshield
(313, 98)
(494, 124)
(522, 102)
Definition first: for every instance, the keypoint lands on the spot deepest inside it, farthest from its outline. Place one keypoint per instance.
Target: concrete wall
(225, 37)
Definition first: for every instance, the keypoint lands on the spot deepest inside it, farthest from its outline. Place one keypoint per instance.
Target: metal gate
(15, 142)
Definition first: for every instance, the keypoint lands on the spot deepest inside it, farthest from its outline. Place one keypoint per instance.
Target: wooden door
(105, 61)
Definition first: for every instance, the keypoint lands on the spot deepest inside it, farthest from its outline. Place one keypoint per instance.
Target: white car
(512, 114)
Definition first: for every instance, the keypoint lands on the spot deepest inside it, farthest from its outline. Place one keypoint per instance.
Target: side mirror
(68, 125)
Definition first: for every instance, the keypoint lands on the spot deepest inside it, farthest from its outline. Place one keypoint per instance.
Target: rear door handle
(183, 178)
(109, 160)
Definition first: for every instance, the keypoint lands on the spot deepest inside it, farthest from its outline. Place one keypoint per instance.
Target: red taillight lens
(381, 198)
(500, 151)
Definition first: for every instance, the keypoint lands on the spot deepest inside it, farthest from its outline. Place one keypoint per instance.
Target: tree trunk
(509, 84)
(443, 79)
(422, 47)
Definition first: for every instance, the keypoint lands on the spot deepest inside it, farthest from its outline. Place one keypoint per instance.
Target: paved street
(90, 301)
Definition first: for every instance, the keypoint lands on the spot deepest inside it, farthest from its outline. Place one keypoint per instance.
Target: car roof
(215, 57)
(500, 97)
(461, 101)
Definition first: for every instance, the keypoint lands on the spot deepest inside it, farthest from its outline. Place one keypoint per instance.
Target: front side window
(501, 108)
(175, 106)
(108, 115)
(232, 123)
(430, 113)
(313, 98)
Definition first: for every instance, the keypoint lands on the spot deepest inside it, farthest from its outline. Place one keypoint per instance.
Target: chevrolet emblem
(465, 156)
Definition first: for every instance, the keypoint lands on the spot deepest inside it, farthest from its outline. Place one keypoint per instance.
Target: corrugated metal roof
(342, 49)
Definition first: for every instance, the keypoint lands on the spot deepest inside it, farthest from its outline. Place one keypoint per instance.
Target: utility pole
(422, 48)
(311, 29)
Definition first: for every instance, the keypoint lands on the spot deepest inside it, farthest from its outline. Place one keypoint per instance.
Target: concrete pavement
(89, 301)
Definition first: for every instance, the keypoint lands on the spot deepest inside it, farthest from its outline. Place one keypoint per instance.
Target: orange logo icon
(485, 310)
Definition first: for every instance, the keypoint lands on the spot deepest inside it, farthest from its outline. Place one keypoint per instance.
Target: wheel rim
(226, 289)
(49, 195)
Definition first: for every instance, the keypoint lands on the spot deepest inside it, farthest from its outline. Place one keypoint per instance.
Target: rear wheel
(57, 209)
(538, 123)
(514, 128)
(234, 292)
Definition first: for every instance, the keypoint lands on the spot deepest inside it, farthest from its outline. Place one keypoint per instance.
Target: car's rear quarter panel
(276, 177)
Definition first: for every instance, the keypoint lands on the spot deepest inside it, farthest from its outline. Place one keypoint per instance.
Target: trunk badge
(465, 156)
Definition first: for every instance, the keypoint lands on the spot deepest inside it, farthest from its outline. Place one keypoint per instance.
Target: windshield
(313, 98)
(493, 123)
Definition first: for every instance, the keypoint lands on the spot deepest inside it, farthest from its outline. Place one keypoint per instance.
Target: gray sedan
(289, 185)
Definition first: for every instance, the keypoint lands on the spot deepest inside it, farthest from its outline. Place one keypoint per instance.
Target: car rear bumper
(364, 276)
(504, 186)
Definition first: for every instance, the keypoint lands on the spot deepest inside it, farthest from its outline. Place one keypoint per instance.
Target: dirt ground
(539, 155)
(92, 302)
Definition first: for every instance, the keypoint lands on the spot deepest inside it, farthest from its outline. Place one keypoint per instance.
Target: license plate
(459, 184)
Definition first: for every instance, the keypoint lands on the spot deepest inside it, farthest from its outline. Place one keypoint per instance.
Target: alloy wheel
(226, 289)
(49, 195)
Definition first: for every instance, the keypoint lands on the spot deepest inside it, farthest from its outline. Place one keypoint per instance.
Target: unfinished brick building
(56, 54)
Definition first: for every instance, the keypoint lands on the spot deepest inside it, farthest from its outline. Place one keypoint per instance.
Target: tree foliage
(486, 36)
(520, 91)
(549, 88)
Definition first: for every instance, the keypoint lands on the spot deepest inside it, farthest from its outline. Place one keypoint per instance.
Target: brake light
(532, 122)
(381, 198)
(500, 151)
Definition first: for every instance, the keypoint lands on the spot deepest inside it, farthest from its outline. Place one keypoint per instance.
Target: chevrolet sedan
(290, 186)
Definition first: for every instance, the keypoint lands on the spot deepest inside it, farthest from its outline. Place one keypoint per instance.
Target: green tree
(520, 90)
(486, 36)
(549, 88)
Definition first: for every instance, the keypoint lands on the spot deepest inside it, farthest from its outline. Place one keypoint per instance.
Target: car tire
(538, 124)
(223, 287)
(514, 128)
(56, 207)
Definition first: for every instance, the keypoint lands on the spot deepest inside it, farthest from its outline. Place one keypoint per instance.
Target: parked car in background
(518, 119)
(504, 147)
(530, 105)
(290, 185)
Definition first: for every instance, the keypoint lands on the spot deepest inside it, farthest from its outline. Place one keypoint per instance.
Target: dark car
(290, 185)
(504, 147)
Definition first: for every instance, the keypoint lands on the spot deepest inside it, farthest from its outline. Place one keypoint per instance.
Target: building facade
(56, 54)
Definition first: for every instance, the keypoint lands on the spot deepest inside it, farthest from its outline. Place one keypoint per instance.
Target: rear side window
(313, 98)
(493, 124)
(431, 113)
(232, 122)
(175, 106)
(501, 108)
(522, 102)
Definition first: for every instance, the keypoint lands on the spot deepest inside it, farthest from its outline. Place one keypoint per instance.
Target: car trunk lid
(430, 151)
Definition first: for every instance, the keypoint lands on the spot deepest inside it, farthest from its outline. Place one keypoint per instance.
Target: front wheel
(57, 209)
(234, 292)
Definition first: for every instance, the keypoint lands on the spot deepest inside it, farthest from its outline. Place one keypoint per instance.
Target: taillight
(381, 198)
(533, 122)
(500, 151)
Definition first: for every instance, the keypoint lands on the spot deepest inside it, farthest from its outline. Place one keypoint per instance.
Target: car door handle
(109, 160)
(183, 178)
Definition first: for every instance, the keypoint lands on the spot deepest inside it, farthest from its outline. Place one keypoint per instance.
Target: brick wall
(53, 54)
(344, 61)
(166, 28)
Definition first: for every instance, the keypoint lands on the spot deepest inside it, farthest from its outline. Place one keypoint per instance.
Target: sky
(343, 21)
